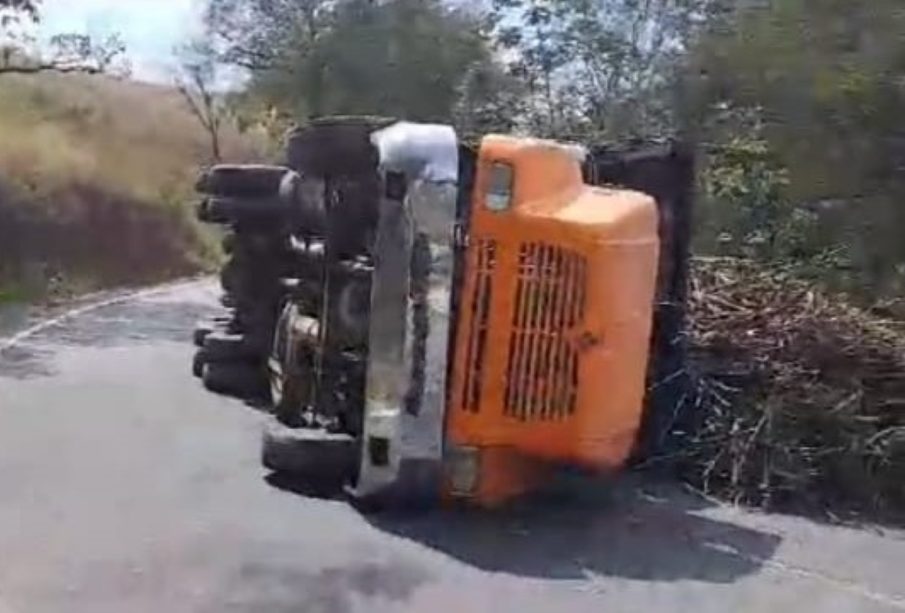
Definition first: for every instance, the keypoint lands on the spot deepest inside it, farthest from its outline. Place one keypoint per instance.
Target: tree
(26, 7)
(743, 205)
(264, 34)
(827, 77)
(597, 67)
(68, 52)
(198, 85)
(488, 100)
(402, 58)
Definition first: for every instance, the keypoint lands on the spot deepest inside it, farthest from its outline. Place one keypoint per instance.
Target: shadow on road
(322, 490)
(626, 532)
(632, 527)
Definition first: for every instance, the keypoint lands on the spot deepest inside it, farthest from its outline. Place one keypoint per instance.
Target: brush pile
(801, 397)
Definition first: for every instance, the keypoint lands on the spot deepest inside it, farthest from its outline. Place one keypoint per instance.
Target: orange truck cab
(553, 338)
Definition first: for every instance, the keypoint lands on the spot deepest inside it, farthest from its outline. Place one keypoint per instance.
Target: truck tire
(221, 323)
(198, 363)
(229, 276)
(201, 211)
(256, 245)
(250, 288)
(206, 214)
(289, 390)
(205, 329)
(256, 180)
(239, 379)
(201, 332)
(255, 280)
(225, 347)
(228, 243)
(351, 313)
(287, 394)
(238, 208)
(317, 456)
(257, 310)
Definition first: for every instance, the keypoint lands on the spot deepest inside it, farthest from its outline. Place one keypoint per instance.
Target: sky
(151, 29)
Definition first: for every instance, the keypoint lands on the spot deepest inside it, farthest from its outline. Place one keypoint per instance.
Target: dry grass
(801, 401)
(133, 137)
(74, 148)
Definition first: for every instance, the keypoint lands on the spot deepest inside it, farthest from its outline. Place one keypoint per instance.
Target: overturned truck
(431, 319)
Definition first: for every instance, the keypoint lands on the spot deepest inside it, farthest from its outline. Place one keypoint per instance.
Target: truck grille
(542, 373)
(480, 316)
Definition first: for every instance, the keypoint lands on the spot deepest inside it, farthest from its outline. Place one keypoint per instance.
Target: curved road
(124, 487)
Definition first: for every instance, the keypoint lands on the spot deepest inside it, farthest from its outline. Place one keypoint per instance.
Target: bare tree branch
(197, 88)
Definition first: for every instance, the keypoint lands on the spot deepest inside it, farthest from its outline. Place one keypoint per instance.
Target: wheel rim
(275, 365)
(275, 371)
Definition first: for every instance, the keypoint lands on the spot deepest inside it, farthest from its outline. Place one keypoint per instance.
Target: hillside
(96, 180)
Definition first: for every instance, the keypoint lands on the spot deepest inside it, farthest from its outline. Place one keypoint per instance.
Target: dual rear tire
(229, 363)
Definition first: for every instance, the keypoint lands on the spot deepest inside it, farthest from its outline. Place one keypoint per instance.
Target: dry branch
(801, 395)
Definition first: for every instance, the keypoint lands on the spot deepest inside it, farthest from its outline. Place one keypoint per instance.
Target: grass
(799, 398)
(11, 294)
(96, 179)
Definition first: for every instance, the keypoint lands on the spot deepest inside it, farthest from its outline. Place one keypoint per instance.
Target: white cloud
(151, 29)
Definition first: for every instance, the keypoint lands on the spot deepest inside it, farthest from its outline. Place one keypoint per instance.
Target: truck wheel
(228, 243)
(352, 312)
(201, 212)
(198, 363)
(201, 333)
(252, 287)
(258, 317)
(204, 329)
(259, 245)
(225, 347)
(239, 208)
(287, 392)
(238, 379)
(317, 456)
(242, 180)
(287, 385)
(229, 276)
(211, 215)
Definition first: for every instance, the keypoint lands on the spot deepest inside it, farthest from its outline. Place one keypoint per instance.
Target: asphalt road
(124, 487)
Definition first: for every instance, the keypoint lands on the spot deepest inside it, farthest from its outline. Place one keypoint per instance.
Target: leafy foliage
(795, 103)
(597, 67)
(399, 58)
(827, 77)
(488, 100)
(28, 8)
(743, 185)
